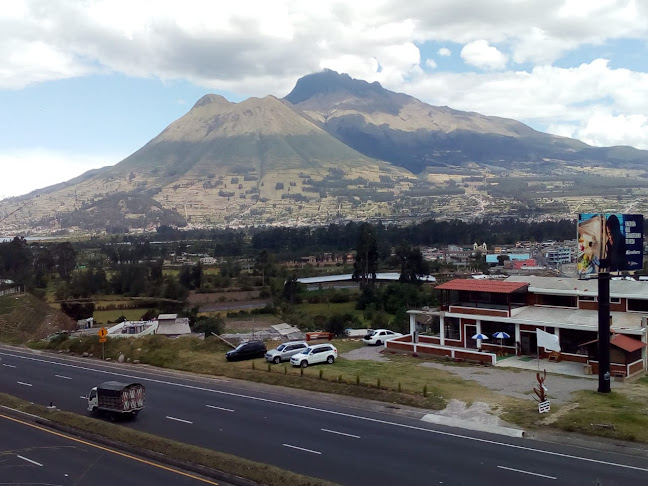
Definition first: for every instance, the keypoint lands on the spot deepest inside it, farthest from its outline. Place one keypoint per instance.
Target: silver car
(285, 351)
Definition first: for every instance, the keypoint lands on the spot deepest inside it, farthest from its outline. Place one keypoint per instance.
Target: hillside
(23, 317)
(401, 129)
(336, 148)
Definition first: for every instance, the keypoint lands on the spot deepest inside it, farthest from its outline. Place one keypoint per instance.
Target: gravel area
(518, 383)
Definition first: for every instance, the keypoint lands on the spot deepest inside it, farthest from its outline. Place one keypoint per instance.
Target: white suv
(285, 351)
(317, 353)
(379, 336)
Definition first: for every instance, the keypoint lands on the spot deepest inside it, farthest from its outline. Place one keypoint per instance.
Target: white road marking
(29, 460)
(340, 414)
(23, 383)
(64, 377)
(526, 472)
(8, 365)
(24, 413)
(341, 433)
(179, 420)
(220, 408)
(302, 449)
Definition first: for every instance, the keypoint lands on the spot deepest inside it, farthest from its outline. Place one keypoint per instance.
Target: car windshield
(239, 346)
(306, 351)
(281, 347)
(370, 333)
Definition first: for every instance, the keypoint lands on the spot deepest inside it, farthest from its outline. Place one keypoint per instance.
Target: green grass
(616, 415)
(103, 317)
(254, 471)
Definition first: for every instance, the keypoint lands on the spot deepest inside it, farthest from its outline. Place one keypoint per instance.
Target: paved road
(326, 439)
(32, 455)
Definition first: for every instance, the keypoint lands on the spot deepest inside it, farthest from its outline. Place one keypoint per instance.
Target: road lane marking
(23, 383)
(24, 413)
(8, 365)
(341, 433)
(179, 420)
(64, 377)
(302, 449)
(336, 413)
(112, 451)
(220, 408)
(29, 460)
(526, 472)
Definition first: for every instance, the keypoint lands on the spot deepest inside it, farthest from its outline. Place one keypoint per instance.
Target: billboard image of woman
(609, 243)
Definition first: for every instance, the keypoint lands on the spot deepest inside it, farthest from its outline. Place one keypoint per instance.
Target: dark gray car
(285, 351)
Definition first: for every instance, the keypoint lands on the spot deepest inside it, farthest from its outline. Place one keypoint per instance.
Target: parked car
(317, 353)
(379, 336)
(247, 350)
(285, 351)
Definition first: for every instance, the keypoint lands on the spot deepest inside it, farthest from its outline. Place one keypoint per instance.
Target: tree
(65, 257)
(411, 262)
(264, 264)
(366, 259)
(503, 258)
(209, 325)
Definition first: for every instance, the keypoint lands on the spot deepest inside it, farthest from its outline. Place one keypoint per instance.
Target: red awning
(622, 341)
(492, 286)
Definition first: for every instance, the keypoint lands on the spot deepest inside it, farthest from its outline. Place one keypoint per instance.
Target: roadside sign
(543, 407)
(103, 332)
(103, 340)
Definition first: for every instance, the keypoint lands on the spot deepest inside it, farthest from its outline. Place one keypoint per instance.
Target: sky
(83, 84)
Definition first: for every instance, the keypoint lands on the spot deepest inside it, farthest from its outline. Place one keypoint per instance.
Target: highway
(31, 454)
(313, 436)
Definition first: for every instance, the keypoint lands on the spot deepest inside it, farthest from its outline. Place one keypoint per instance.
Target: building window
(638, 305)
(588, 298)
(572, 340)
(428, 324)
(452, 328)
(557, 300)
(615, 300)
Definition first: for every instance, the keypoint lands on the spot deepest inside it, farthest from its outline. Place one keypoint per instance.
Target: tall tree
(411, 262)
(65, 257)
(366, 259)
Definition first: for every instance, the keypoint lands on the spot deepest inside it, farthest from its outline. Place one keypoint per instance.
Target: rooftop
(492, 286)
(586, 287)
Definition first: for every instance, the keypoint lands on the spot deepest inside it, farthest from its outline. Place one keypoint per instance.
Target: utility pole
(604, 332)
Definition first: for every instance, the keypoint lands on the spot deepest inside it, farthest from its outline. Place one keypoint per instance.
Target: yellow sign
(103, 332)
(103, 340)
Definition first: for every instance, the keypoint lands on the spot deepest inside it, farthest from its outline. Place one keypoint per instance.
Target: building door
(529, 343)
(469, 331)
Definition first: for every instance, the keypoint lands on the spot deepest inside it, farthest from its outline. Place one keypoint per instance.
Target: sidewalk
(569, 368)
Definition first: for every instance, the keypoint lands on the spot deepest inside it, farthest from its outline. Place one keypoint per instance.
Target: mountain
(335, 148)
(258, 160)
(400, 129)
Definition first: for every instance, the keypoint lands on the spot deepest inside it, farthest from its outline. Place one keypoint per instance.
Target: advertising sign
(609, 243)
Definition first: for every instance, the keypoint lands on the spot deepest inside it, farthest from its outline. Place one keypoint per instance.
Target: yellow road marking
(128, 456)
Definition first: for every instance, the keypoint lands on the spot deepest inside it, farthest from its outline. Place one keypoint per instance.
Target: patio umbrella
(501, 335)
(478, 337)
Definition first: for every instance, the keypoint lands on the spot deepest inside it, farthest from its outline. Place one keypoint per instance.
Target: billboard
(609, 243)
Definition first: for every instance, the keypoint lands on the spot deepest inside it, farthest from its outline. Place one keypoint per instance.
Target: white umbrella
(480, 336)
(501, 335)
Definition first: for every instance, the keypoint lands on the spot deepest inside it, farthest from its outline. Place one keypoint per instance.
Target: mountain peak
(209, 99)
(329, 81)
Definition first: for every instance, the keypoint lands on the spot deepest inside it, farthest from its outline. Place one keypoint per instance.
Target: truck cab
(93, 401)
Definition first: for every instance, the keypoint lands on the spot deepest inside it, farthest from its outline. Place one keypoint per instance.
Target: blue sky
(84, 84)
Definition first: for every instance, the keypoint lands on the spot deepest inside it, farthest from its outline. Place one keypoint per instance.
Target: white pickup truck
(116, 399)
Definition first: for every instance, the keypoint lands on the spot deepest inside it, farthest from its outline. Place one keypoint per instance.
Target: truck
(116, 399)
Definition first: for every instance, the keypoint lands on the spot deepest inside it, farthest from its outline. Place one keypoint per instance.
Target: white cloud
(44, 168)
(431, 63)
(593, 102)
(252, 48)
(482, 55)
